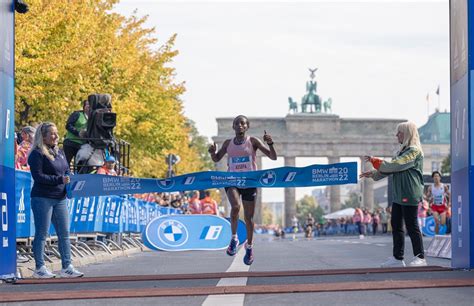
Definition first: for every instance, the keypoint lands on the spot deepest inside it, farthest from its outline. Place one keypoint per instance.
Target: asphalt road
(271, 254)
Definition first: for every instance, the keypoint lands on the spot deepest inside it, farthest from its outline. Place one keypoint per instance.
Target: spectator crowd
(367, 222)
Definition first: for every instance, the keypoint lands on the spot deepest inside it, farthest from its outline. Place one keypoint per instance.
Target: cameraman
(76, 128)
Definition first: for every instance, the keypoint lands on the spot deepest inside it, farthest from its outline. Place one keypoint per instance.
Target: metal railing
(118, 148)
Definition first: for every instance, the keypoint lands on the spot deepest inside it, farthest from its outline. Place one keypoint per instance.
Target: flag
(437, 91)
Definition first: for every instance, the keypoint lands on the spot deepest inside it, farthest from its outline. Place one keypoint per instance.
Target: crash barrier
(440, 246)
(97, 214)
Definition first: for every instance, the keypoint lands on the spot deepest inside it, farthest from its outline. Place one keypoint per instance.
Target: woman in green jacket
(406, 169)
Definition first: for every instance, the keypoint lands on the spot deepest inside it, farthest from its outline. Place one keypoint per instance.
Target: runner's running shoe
(43, 272)
(248, 258)
(232, 249)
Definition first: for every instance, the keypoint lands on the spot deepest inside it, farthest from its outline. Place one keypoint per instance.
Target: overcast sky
(376, 59)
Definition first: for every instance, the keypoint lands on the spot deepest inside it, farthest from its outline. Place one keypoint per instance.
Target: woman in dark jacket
(50, 173)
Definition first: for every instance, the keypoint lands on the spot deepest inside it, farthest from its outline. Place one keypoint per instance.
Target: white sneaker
(361, 236)
(393, 262)
(43, 272)
(418, 262)
(71, 272)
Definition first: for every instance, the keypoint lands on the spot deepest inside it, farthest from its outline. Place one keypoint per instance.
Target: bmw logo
(429, 227)
(268, 178)
(165, 184)
(173, 233)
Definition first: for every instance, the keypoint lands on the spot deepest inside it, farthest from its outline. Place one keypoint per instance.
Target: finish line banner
(87, 185)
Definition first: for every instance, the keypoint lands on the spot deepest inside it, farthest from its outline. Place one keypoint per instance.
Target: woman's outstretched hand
(368, 174)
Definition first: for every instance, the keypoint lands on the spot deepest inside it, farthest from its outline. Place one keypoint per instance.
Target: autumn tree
(307, 205)
(200, 144)
(66, 50)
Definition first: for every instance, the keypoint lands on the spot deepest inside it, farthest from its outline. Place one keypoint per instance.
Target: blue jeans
(45, 211)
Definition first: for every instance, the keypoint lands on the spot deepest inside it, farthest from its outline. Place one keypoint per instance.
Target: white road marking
(231, 299)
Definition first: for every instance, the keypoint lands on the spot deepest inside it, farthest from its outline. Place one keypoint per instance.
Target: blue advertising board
(7, 170)
(24, 215)
(461, 38)
(187, 232)
(428, 228)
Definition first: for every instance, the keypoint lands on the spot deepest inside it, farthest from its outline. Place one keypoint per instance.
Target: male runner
(241, 153)
(438, 196)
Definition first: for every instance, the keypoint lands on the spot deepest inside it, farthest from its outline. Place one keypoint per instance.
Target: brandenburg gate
(317, 134)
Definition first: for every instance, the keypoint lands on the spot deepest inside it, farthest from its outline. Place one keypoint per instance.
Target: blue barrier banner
(130, 215)
(187, 232)
(142, 215)
(24, 215)
(84, 214)
(84, 185)
(112, 211)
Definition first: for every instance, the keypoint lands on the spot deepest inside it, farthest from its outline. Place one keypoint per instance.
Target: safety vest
(80, 124)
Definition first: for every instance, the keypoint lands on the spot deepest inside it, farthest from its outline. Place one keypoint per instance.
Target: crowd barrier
(99, 214)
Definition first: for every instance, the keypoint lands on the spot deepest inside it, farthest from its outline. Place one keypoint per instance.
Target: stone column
(335, 190)
(258, 216)
(222, 166)
(367, 186)
(290, 195)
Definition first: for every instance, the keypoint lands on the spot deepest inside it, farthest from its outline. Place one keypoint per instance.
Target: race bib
(438, 199)
(240, 164)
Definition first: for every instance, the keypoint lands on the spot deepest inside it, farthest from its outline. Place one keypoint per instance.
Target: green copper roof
(437, 130)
